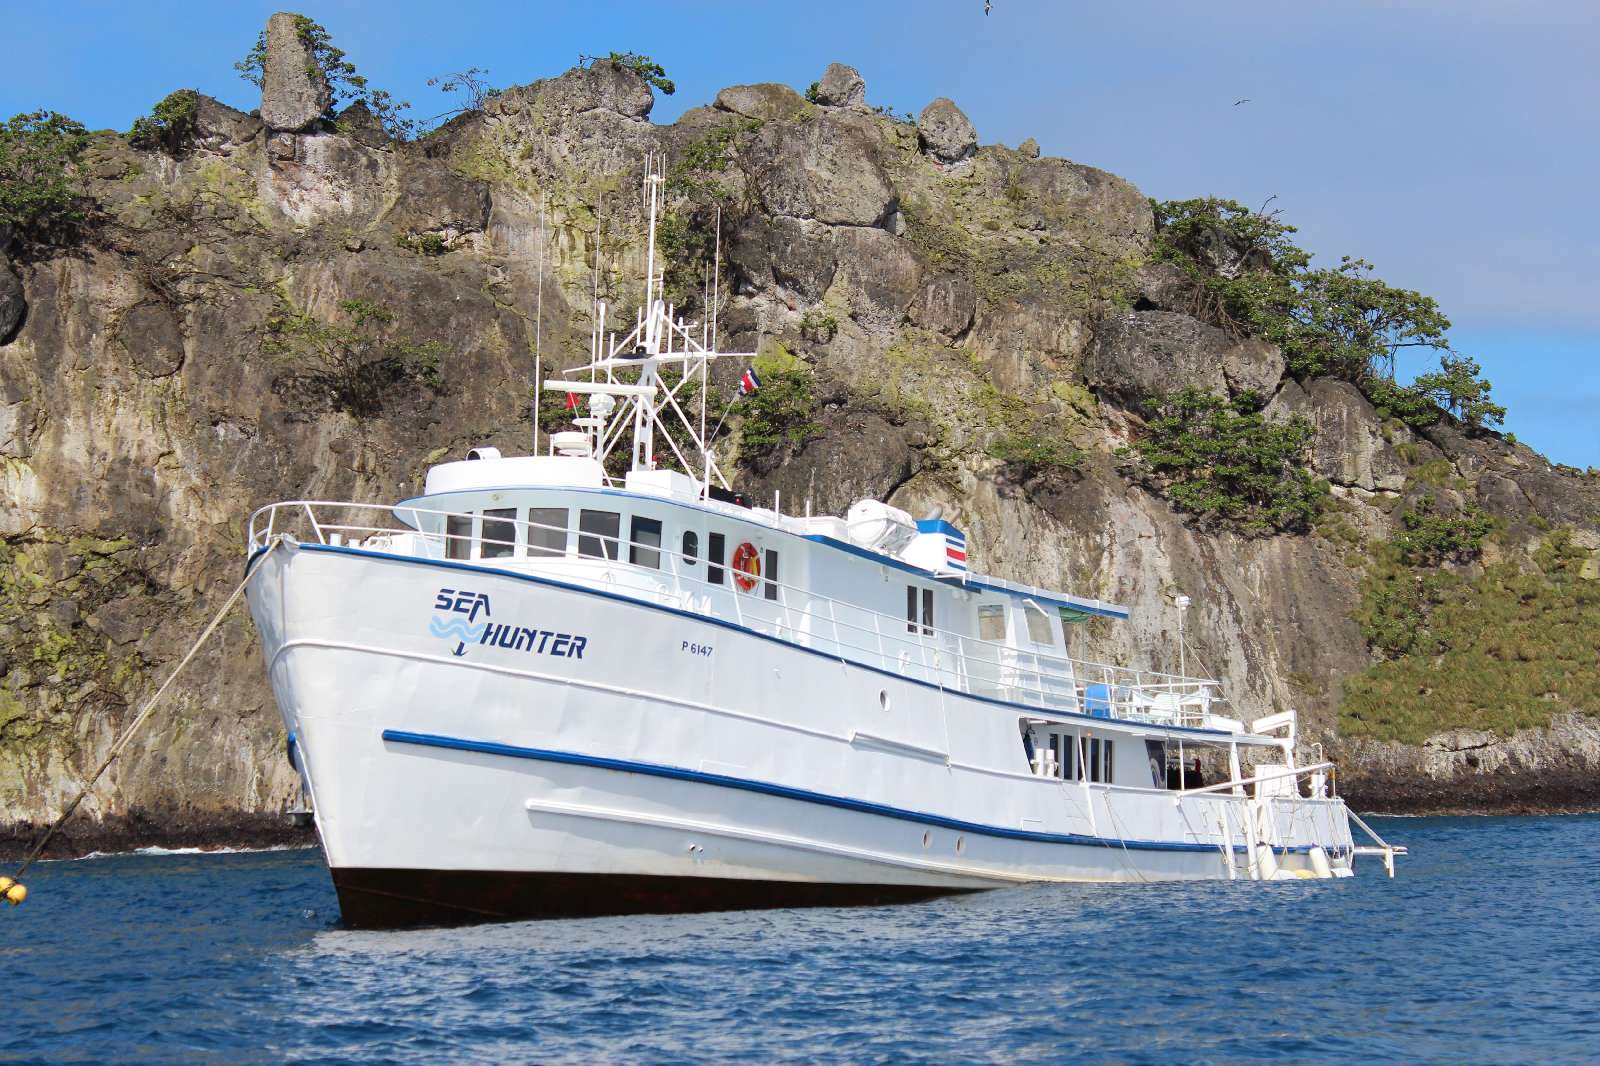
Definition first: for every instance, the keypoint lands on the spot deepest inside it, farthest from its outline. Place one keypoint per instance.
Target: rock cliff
(934, 295)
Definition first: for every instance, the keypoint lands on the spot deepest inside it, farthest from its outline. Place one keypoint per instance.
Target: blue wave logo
(457, 629)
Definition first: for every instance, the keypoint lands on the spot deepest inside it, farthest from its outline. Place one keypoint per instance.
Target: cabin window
(1039, 629)
(771, 591)
(499, 539)
(597, 533)
(691, 546)
(1097, 759)
(458, 536)
(926, 599)
(547, 531)
(715, 546)
(1069, 746)
(992, 622)
(644, 548)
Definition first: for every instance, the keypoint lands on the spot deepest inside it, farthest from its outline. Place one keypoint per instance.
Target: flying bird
(1246, 100)
(987, 4)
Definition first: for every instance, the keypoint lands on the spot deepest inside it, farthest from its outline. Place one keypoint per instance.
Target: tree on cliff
(345, 85)
(350, 365)
(39, 193)
(1337, 322)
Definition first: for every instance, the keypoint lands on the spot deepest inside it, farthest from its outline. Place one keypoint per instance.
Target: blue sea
(1485, 948)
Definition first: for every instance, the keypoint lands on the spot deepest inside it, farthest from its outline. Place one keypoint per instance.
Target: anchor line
(138, 721)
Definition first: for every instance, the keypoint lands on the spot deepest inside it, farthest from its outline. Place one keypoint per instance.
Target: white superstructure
(540, 688)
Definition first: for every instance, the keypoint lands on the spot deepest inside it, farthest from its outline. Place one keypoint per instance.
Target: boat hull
(664, 761)
(381, 898)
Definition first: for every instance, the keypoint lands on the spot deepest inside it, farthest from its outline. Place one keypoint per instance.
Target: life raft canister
(746, 566)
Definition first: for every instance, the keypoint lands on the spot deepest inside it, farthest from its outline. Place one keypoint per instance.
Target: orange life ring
(746, 566)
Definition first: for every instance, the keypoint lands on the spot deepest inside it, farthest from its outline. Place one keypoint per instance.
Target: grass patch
(1499, 653)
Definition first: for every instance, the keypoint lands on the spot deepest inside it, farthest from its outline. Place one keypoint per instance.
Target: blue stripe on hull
(487, 747)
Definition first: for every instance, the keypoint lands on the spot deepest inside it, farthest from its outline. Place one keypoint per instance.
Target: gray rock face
(768, 101)
(946, 305)
(798, 255)
(1151, 353)
(13, 303)
(879, 276)
(601, 86)
(866, 457)
(1164, 287)
(946, 134)
(826, 170)
(150, 334)
(217, 125)
(1349, 447)
(435, 199)
(294, 95)
(359, 124)
(841, 86)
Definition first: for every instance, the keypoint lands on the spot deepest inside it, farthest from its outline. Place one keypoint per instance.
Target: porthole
(961, 845)
(883, 699)
(927, 840)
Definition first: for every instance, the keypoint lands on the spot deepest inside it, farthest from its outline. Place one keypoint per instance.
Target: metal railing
(850, 631)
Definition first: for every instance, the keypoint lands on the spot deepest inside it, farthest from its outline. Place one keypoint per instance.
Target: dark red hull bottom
(400, 899)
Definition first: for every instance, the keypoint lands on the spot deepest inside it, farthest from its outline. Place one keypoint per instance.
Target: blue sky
(1450, 142)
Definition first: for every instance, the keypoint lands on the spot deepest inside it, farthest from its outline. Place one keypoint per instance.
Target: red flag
(572, 401)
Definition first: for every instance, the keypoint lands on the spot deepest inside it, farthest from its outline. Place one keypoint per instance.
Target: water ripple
(1480, 951)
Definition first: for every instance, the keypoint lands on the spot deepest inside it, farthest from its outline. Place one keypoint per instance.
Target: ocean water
(1486, 948)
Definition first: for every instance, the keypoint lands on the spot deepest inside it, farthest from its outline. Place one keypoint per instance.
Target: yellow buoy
(16, 893)
(5, 883)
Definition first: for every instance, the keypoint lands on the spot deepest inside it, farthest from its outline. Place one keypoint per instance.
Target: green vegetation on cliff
(351, 365)
(170, 125)
(1499, 652)
(781, 412)
(39, 193)
(1338, 322)
(1225, 461)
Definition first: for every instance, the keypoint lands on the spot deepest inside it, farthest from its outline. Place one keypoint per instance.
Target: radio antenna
(538, 331)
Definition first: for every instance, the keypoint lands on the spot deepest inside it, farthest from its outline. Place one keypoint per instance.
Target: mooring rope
(11, 888)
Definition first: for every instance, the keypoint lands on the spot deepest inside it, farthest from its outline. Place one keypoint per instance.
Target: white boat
(543, 689)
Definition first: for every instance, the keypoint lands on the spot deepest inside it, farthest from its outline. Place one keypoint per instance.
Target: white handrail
(1298, 771)
(1068, 690)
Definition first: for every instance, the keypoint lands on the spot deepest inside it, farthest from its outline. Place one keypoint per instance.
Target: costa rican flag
(955, 549)
(955, 542)
(749, 382)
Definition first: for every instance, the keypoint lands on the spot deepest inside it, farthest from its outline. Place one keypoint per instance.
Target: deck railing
(902, 646)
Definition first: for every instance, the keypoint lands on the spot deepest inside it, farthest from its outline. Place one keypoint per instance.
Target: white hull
(623, 756)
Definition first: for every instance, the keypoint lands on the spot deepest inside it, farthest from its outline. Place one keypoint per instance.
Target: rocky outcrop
(294, 95)
(826, 170)
(220, 128)
(1472, 771)
(1351, 446)
(946, 133)
(1151, 353)
(13, 301)
(841, 86)
(768, 101)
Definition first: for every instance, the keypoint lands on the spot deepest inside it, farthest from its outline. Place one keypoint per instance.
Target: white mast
(658, 337)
